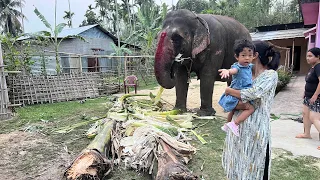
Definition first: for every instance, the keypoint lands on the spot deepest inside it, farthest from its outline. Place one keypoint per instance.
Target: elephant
(200, 43)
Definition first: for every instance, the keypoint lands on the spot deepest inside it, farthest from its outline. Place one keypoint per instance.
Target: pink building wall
(311, 15)
(318, 28)
(310, 12)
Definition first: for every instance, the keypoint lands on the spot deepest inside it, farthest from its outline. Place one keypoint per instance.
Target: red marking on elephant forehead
(159, 51)
(218, 52)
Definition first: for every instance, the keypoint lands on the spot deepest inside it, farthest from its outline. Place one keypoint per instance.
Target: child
(241, 72)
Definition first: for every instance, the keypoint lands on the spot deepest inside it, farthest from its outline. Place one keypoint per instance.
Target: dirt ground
(30, 156)
(21, 152)
(193, 100)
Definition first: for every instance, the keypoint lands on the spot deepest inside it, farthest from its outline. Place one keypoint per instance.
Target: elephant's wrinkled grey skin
(186, 33)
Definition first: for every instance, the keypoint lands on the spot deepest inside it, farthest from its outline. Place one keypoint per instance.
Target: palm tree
(148, 24)
(10, 16)
(68, 16)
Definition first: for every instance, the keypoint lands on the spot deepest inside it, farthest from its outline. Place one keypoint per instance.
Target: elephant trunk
(163, 62)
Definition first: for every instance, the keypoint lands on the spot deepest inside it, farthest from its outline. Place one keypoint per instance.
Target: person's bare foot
(304, 136)
(318, 148)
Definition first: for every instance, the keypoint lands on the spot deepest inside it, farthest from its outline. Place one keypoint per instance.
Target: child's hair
(240, 44)
(265, 51)
(315, 51)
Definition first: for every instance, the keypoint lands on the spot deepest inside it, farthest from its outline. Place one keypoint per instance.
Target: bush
(283, 79)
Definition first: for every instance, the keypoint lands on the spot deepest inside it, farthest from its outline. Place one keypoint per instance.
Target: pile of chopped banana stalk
(140, 135)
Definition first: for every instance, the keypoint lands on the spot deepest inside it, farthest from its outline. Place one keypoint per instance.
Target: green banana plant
(120, 51)
(52, 35)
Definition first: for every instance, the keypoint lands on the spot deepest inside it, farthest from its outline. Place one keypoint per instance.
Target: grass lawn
(46, 118)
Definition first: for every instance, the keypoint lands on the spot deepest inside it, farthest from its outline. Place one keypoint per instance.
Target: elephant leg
(207, 79)
(181, 86)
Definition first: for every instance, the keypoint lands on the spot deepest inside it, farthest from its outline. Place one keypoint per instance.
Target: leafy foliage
(283, 79)
(68, 16)
(17, 55)
(10, 16)
(196, 6)
(120, 51)
(91, 17)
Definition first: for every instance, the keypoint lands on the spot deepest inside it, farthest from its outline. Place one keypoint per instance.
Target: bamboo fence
(39, 89)
(74, 84)
(5, 112)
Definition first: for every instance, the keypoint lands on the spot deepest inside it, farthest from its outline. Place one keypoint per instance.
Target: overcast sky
(46, 7)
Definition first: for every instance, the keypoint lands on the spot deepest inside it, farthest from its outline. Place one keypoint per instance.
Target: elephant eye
(176, 38)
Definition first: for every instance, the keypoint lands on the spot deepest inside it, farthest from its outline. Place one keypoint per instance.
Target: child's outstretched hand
(224, 73)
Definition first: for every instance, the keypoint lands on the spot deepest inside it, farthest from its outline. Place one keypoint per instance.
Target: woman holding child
(247, 156)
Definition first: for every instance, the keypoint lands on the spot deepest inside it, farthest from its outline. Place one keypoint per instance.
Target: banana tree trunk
(92, 162)
(58, 69)
(169, 167)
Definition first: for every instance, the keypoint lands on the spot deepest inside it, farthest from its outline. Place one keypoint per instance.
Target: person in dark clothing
(311, 100)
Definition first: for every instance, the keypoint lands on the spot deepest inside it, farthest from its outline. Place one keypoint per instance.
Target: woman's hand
(227, 91)
(313, 99)
(224, 73)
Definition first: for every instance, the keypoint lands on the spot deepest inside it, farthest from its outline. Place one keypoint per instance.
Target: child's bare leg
(247, 108)
(230, 116)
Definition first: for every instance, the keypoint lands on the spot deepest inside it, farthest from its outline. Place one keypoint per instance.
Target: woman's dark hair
(315, 51)
(266, 51)
(240, 44)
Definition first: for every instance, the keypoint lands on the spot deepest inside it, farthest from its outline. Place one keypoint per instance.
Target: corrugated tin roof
(280, 34)
(74, 31)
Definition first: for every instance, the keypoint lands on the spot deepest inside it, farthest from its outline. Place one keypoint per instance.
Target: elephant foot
(206, 112)
(182, 110)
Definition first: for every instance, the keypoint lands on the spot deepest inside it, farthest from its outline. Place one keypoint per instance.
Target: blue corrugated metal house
(98, 42)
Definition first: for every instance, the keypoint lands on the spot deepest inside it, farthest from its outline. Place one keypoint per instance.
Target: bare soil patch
(30, 156)
(193, 99)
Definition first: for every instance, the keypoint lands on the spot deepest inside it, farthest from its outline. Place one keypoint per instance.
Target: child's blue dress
(241, 80)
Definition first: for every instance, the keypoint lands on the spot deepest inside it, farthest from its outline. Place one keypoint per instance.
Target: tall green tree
(196, 6)
(149, 20)
(68, 16)
(91, 17)
(10, 17)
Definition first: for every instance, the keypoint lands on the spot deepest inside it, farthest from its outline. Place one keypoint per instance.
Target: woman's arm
(317, 92)
(315, 95)
(259, 88)
(233, 92)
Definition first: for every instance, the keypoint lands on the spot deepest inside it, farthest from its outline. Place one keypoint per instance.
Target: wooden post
(80, 63)
(288, 59)
(70, 69)
(285, 61)
(125, 67)
(292, 53)
(3, 90)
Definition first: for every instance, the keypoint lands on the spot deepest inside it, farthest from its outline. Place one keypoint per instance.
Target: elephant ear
(201, 37)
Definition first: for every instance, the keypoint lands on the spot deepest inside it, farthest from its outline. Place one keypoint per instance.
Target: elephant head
(183, 32)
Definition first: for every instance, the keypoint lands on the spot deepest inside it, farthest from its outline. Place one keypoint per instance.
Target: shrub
(283, 79)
